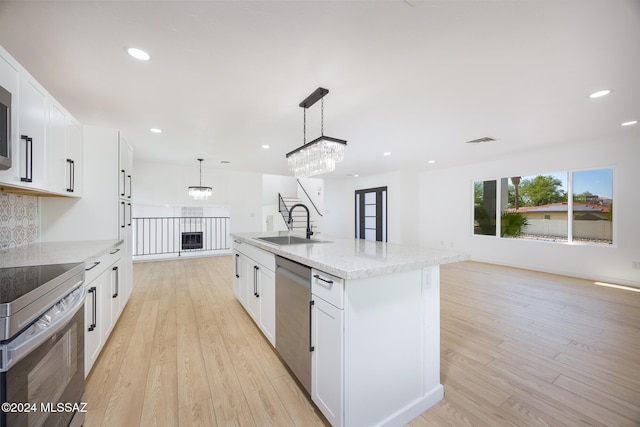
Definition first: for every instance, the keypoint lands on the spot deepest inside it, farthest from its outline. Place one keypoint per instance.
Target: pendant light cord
(322, 117)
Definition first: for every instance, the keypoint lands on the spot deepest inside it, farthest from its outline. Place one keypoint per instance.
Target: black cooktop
(16, 282)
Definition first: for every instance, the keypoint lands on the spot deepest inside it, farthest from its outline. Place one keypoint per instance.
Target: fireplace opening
(192, 240)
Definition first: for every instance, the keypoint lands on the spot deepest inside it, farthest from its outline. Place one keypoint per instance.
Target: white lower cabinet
(254, 284)
(103, 304)
(93, 308)
(376, 339)
(239, 270)
(266, 294)
(327, 368)
(260, 290)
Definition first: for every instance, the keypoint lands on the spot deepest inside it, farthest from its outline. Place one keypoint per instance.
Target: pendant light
(199, 192)
(321, 154)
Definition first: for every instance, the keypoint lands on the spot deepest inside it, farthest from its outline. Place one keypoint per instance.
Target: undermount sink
(289, 240)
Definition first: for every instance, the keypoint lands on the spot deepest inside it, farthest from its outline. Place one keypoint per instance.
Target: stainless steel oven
(42, 345)
(5, 129)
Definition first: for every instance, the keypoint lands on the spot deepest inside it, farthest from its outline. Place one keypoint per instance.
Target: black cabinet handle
(255, 281)
(28, 159)
(124, 181)
(311, 304)
(235, 265)
(72, 175)
(124, 215)
(117, 273)
(114, 252)
(130, 186)
(92, 290)
(130, 214)
(317, 276)
(95, 264)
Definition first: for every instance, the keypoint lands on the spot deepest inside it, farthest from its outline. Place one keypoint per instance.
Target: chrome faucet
(309, 232)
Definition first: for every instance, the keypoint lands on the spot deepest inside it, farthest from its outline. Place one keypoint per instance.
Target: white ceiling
(414, 78)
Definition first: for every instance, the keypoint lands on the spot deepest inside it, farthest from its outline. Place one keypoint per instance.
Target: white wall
(403, 216)
(240, 192)
(446, 212)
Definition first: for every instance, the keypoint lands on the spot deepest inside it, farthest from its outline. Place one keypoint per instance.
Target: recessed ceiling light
(387, 153)
(353, 175)
(629, 123)
(265, 146)
(155, 130)
(431, 162)
(138, 54)
(600, 93)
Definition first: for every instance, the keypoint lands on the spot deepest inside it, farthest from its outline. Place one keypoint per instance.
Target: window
(538, 207)
(593, 206)
(484, 208)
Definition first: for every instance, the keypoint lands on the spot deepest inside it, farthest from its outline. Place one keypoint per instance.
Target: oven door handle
(42, 329)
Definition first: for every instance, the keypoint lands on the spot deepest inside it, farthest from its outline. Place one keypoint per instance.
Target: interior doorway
(371, 214)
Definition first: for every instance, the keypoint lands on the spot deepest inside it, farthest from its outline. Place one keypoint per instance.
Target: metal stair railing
(308, 197)
(299, 219)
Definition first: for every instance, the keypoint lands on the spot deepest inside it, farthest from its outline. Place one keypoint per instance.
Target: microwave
(5, 129)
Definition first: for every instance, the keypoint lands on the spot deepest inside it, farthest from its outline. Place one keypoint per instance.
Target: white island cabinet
(254, 284)
(375, 326)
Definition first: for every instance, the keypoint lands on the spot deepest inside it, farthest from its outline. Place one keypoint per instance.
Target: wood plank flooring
(518, 348)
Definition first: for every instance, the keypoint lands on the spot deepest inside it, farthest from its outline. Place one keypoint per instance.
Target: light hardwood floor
(518, 348)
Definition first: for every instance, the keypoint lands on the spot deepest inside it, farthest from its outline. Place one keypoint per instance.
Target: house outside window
(538, 207)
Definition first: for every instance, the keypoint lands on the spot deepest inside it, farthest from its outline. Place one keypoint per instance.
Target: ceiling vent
(479, 140)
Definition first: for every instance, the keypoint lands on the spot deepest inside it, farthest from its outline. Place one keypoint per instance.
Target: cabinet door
(327, 366)
(253, 298)
(239, 288)
(267, 298)
(92, 323)
(30, 156)
(117, 273)
(106, 317)
(125, 165)
(126, 278)
(73, 160)
(55, 150)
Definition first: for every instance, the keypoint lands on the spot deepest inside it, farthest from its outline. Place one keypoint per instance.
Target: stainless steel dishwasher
(293, 318)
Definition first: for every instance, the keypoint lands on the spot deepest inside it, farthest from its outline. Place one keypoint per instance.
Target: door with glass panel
(371, 214)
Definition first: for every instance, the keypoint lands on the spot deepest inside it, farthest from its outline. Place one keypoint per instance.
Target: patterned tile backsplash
(19, 220)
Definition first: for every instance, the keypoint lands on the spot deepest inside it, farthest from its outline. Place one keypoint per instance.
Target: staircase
(299, 223)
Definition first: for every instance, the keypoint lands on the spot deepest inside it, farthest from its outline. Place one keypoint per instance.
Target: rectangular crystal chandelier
(320, 155)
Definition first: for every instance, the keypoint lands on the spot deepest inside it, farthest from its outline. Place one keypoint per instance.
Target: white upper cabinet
(43, 134)
(64, 152)
(32, 120)
(125, 166)
(56, 166)
(73, 159)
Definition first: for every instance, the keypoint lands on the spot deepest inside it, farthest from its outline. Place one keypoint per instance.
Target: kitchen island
(375, 322)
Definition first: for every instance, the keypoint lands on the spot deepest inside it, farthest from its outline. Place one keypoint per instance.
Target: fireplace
(192, 240)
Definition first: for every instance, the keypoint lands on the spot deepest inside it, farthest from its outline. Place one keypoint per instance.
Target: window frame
(499, 183)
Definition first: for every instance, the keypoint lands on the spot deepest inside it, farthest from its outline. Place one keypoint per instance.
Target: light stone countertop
(354, 258)
(55, 252)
